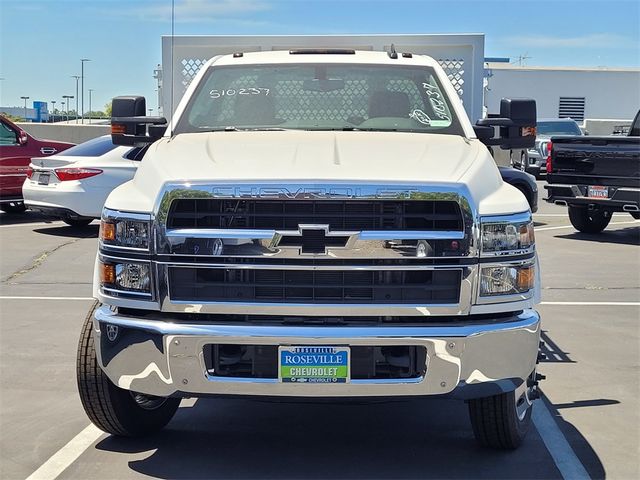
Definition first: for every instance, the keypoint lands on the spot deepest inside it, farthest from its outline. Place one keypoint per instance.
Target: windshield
(320, 97)
(568, 127)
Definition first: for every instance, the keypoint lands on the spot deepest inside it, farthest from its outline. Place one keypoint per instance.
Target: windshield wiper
(231, 128)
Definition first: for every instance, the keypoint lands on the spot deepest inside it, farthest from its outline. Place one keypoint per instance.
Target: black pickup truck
(595, 176)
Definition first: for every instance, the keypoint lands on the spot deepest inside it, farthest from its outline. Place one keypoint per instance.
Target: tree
(13, 118)
(107, 109)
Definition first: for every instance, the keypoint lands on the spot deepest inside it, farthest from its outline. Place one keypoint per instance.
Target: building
(579, 93)
(39, 112)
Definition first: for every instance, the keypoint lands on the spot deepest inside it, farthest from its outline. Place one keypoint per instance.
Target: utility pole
(77, 77)
(82, 60)
(90, 90)
(68, 97)
(25, 107)
(53, 108)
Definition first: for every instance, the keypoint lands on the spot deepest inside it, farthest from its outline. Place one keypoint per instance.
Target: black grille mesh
(338, 214)
(333, 286)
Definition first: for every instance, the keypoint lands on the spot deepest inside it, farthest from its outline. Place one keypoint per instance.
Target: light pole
(90, 91)
(69, 97)
(62, 104)
(82, 60)
(53, 108)
(77, 77)
(25, 107)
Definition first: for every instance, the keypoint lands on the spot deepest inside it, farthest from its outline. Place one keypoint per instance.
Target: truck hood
(308, 157)
(311, 156)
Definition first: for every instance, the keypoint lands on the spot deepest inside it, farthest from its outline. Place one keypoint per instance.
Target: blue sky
(42, 41)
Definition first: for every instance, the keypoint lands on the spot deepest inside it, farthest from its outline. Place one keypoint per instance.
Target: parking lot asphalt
(587, 423)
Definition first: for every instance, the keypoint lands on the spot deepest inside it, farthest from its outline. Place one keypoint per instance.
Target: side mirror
(129, 123)
(23, 138)
(517, 124)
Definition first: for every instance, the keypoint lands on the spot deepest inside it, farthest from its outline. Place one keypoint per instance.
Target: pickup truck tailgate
(612, 161)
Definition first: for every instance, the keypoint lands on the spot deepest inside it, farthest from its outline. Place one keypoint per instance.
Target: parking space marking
(9, 297)
(68, 454)
(563, 455)
(605, 304)
(542, 229)
(38, 224)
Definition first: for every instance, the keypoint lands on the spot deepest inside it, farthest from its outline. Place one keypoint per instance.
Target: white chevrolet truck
(315, 223)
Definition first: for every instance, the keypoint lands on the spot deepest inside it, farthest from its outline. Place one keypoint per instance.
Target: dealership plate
(313, 364)
(597, 191)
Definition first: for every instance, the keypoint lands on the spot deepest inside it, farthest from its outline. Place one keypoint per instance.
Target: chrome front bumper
(166, 358)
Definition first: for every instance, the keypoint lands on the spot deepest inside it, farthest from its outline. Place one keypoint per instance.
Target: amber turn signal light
(525, 278)
(118, 129)
(107, 273)
(107, 231)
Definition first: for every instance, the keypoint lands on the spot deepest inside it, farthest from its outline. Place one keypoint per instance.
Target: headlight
(127, 230)
(506, 280)
(510, 235)
(126, 277)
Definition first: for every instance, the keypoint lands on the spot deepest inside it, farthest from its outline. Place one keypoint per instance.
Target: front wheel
(112, 409)
(588, 221)
(502, 421)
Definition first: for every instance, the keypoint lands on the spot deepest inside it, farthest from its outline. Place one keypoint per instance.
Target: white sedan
(74, 185)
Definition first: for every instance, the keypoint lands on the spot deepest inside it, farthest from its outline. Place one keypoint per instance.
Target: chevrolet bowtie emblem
(312, 239)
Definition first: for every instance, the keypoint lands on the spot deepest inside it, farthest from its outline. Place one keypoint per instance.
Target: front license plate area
(305, 364)
(43, 179)
(597, 191)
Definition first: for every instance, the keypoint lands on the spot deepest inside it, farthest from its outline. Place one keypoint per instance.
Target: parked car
(524, 182)
(17, 148)
(74, 185)
(595, 177)
(534, 160)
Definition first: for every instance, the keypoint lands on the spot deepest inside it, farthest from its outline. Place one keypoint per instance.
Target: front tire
(77, 222)
(112, 409)
(502, 421)
(588, 221)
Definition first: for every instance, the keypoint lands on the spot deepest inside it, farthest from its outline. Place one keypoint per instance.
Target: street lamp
(53, 108)
(25, 107)
(82, 60)
(77, 77)
(68, 97)
(90, 91)
(62, 104)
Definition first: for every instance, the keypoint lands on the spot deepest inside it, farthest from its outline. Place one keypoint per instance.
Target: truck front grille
(202, 284)
(346, 215)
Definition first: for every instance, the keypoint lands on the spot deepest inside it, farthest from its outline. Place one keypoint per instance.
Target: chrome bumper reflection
(166, 358)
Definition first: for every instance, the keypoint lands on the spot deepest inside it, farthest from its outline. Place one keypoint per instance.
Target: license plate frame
(597, 191)
(314, 365)
(44, 178)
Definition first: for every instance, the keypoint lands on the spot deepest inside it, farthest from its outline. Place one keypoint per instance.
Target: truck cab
(315, 223)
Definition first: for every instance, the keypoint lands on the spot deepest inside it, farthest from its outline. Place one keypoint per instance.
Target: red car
(17, 148)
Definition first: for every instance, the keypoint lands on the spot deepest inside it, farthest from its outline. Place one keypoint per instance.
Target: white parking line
(38, 224)
(557, 445)
(606, 304)
(68, 454)
(541, 229)
(9, 297)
